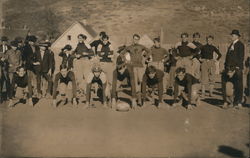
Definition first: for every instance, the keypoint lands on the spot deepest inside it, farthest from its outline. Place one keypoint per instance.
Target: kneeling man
(67, 82)
(187, 88)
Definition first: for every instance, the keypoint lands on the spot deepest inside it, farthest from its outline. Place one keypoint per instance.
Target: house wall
(74, 31)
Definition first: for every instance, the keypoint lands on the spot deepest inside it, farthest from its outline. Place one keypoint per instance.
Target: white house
(146, 41)
(70, 35)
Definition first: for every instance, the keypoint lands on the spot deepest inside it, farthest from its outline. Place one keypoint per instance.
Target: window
(69, 37)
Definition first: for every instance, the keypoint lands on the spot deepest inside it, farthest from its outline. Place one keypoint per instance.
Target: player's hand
(74, 102)
(10, 103)
(105, 105)
(113, 103)
(54, 103)
(36, 63)
(78, 55)
(189, 107)
(30, 102)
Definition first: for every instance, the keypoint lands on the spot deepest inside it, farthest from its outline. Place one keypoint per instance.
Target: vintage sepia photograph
(125, 78)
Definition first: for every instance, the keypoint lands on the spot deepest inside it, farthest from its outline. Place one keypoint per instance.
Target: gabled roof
(13, 33)
(90, 30)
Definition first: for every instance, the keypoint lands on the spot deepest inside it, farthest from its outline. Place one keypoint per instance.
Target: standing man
(44, 70)
(105, 52)
(195, 61)
(3, 67)
(235, 57)
(186, 52)
(83, 54)
(95, 43)
(138, 55)
(160, 55)
(31, 62)
(208, 65)
(13, 58)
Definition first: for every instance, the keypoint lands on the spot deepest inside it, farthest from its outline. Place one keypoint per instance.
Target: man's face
(196, 38)
(97, 74)
(157, 44)
(21, 72)
(230, 73)
(31, 43)
(180, 76)
(234, 37)
(122, 69)
(151, 75)
(80, 39)
(64, 72)
(105, 41)
(184, 38)
(67, 51)
(136, 40)
(210, 41)
(13, 47)
(20, 44)
(4, 42)
(42, 49)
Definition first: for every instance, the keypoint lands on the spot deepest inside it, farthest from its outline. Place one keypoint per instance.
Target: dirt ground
(44, 131)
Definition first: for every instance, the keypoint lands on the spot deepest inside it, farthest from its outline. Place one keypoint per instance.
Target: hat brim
(235, 34)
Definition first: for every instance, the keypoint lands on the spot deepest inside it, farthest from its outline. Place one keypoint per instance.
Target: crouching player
(67, 82)
(122, 73)
(231, 88)
(97, 80)
(152, 82)
(187, 88)
(22, 86)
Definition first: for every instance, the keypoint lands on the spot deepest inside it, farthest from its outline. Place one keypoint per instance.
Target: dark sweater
(69, 78)
(67, 60)
(156, 81)
(235, 57)
(129, 75)
(136, 52)
(158, 54)
(207, 52)
(187, 83)
(21, 82)
(82, 48)
(185, 50)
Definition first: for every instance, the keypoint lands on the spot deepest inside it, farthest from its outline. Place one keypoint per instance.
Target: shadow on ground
(232, 152)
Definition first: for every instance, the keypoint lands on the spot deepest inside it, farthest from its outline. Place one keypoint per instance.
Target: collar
(235, 41)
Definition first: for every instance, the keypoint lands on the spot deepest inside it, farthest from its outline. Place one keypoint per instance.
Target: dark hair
(157, 39)
(63, 66)
(180, 69)
(184, 34)
(105, 37)
(82, 35)
(210, 36)
(196, 34)
(151, 69)
(136, 35)
(20, 67)
(231, 68)
(102, 33)
(67, 47)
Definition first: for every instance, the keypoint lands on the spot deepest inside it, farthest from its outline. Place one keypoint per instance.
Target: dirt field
(207, 131)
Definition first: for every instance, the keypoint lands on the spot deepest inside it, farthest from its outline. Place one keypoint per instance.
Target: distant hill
(122, 18)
